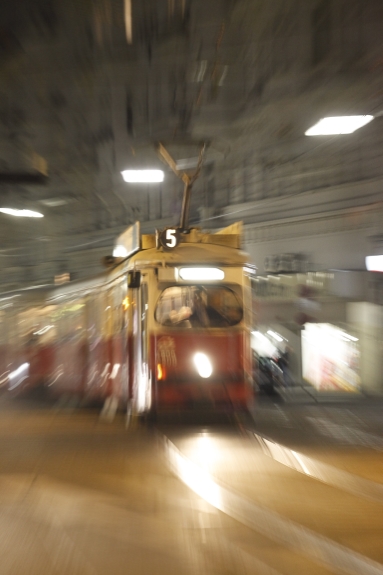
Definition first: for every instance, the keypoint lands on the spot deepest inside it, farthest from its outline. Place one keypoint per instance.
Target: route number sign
(170, 238)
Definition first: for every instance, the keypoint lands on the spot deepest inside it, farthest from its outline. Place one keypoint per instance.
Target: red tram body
(164, 329)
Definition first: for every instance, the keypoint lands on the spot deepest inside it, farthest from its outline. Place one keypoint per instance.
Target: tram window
(198, 306)
(36, 326)
(71, 320)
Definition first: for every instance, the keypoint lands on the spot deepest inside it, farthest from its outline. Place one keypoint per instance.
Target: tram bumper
(209, 394)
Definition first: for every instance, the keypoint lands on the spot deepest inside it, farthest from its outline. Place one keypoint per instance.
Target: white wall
(366, 320)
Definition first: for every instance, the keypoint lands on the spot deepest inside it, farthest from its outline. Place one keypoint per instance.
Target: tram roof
(189, 253)
(196, 247)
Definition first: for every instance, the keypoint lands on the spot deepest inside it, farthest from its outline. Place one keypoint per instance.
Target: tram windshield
(198, 306)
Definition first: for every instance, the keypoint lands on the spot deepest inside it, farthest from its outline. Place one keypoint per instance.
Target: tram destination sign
(128, 243)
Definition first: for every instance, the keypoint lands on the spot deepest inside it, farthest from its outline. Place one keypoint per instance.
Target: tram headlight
(203, 365)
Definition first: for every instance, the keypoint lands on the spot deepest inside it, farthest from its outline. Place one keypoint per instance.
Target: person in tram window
(181, 317)
(200, 316)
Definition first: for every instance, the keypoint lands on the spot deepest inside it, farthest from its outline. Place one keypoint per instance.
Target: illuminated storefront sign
(330, 358)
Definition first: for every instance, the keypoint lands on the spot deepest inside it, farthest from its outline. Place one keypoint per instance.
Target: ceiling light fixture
(374, 263)
(143, 176)
(338, 125)
(21, 213)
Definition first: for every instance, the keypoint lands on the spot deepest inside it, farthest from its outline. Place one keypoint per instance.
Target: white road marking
(316, 547)
(321, 471)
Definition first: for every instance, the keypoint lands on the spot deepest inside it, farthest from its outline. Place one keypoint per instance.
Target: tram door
(143, 396)
(118, 341)
(124, 341)
(140, 348)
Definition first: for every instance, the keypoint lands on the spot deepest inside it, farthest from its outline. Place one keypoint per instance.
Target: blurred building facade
(89, 87)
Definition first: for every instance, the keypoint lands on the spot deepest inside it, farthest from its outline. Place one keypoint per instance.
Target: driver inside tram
(198, 307)
(200, 317)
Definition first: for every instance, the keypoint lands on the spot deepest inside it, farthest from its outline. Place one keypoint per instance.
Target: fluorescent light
(21, 213)
(374, 263)
(338, 125)
(274, 335)
(203, 365)
(143, 176)
(201, 274)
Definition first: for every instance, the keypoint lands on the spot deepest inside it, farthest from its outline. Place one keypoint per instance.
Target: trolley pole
(185, 208)
(188, 181)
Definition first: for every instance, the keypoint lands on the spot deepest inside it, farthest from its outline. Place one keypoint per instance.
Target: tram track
(298, 538)
(321, 471)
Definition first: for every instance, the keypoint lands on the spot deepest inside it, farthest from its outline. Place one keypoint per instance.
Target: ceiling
(89, 88)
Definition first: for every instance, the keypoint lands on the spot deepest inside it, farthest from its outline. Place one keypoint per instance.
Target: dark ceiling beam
(23, 178)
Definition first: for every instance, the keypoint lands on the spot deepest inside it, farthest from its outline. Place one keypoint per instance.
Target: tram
(194, 310)
(168, 327)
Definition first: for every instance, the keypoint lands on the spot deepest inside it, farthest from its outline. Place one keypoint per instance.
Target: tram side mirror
(134, 279)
